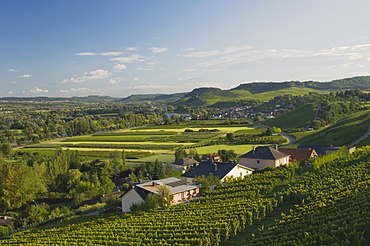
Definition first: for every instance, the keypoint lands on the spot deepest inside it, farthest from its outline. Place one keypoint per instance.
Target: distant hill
(153, 97)
(211, 96)
(87, 99)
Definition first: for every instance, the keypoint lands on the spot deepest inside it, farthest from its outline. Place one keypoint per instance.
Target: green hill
(344, 132)
(297, 118)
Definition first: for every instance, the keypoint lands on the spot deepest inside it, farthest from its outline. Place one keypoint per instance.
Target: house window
(241, 175)
(258, 162)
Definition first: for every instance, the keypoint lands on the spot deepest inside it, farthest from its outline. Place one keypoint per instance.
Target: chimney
(214, 166)
(276, 147)
(254, 150)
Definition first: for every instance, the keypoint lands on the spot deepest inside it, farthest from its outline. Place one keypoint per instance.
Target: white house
(181, 190)
(221, 170)
(262, 157)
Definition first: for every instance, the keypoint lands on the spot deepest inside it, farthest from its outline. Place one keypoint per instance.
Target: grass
(239, 148)
(344, 132)
(300, 117)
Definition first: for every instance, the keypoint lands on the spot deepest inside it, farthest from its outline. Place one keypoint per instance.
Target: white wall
(253, 163)
(239, 171)
(130, 198)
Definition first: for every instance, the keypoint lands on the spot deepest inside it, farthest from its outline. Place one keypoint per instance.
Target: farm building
(264, 156)
(181, 190)
(299, 154)
(184, 164)
(221, 170)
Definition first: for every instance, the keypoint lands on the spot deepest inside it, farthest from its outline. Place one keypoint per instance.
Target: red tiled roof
(299, 154)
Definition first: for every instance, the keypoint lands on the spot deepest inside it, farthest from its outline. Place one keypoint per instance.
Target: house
(5, 220)
(264, 156)
(184, 164)
(299, 154)
(214, 157)
(221, 170)
(181, 190)
(321, 149)
(101, 199)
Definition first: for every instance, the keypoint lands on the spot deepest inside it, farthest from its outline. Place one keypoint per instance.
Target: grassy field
(344, 132)
(159, 142)
(239, 148)
(297, 118)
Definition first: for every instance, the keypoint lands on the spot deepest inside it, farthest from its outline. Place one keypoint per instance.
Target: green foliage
(227, 155)
(206, 182)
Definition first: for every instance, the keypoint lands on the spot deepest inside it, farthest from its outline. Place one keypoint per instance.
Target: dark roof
(264, 153)
(218, 169)
(299, 154)
(101, 199)
(186, 162)
(320, 149)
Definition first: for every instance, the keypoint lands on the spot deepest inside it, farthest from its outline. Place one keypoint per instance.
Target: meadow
(148, 143)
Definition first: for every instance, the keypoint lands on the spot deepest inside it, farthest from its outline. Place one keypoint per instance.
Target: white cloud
(190, 70)
(188, 49)
(100, 54)
(229, 58)
(119, 66)
(157, 50)
(95, 74)
(79, 90)
(36, 90)
(10, 92)
(136, 79)
(25, 76)
(132, 48)
(218, 52)
(11, 70)
(127, 59)
(115, 80)
(144, 69)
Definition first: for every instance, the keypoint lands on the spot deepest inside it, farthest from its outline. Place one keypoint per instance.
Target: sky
(122, 47)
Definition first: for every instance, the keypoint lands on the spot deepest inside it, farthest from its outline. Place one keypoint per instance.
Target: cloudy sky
(124, 47)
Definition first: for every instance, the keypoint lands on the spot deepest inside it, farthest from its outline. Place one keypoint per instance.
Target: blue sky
(121, 47)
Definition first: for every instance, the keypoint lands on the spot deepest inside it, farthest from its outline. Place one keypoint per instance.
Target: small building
(299, 154)
(320, 149)
(101, 199)
(264, 156)
(184, 164)
(221, 170)
(5, 220)
(213, 157)
(181, 190)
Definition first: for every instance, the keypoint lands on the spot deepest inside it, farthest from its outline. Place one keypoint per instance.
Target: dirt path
(367, 134)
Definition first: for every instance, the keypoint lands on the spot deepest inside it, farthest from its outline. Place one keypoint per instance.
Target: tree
(6, 149)
(165, 196)
(206, 183)
(180, 153)
(230, 137)
(227, 155)
(158, 171)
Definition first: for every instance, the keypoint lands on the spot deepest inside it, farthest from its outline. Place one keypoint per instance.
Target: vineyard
(334, 207)
(209, 220)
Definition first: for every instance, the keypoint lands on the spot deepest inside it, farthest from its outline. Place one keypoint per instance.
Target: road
(367, 134)
(291, 140)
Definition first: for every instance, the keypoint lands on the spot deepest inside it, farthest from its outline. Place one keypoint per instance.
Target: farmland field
(146, 144)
